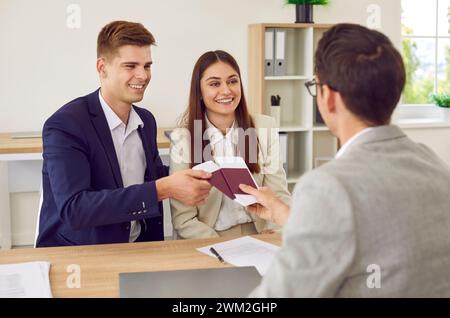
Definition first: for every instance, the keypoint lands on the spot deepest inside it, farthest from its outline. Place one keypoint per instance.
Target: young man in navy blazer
(103, 179)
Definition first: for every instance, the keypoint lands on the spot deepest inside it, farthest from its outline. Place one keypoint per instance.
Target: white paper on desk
(25, 280)
(245, 251)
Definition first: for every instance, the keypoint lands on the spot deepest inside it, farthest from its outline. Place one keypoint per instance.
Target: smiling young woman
(216, 124)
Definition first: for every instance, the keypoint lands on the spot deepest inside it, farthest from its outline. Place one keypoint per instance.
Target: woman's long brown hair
(197, 110)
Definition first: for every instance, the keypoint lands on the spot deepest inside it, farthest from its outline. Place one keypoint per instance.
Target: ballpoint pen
(216, 254)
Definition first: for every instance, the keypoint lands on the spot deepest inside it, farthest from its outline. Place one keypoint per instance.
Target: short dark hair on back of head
(120, 33)
(364, 67)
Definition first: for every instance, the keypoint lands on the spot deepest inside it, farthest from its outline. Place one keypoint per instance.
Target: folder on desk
(269, 44)
(280, 48)
(26, 135)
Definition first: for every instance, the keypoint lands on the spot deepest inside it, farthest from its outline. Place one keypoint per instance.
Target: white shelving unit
(285, 78)
(309, 142)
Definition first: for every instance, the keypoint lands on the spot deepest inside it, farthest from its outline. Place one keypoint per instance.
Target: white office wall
(44, 64)
(437, 139)
(24, 207)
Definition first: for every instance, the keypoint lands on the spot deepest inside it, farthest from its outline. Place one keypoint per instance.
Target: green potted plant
(304, 9)
(442, 100)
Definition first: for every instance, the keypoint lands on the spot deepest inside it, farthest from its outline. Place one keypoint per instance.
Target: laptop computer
(233, 282)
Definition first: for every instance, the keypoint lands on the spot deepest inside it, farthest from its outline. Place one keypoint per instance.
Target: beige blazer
(198, 222)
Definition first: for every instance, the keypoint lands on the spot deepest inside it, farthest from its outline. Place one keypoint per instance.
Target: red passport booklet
(227, 174)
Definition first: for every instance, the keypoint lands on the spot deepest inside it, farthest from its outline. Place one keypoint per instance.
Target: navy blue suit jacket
(84, 201)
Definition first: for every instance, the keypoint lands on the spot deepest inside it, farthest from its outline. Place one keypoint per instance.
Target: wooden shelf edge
(294, 25)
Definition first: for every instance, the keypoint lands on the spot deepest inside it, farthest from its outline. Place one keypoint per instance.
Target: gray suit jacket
(384, 205)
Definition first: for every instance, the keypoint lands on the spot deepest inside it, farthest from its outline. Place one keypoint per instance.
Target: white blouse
(129, 151)
(231, 213)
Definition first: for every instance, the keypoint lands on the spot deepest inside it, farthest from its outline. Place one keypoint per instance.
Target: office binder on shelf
(269, 52)
(280, 49)
(284, 150)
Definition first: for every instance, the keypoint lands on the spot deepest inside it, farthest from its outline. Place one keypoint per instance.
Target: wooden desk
(27, 152)
(101, 264)
(9, 145)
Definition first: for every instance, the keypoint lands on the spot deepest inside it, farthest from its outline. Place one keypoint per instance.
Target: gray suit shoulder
(328, 175)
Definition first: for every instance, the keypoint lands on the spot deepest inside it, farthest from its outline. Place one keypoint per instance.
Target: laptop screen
(233, 282)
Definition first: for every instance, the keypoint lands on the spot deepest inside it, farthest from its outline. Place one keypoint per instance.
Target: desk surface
(9, 145)
(101, 264)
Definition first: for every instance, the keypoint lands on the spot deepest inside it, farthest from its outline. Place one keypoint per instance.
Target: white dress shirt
(129, 151)
(350, 141)
(231, 213)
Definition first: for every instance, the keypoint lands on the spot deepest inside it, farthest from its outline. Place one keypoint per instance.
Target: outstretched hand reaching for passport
(269, 207)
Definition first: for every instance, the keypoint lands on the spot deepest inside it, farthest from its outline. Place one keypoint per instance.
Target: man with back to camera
(375, 221)
(103, 179)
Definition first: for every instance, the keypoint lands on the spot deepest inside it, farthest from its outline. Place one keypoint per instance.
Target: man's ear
(101, 67)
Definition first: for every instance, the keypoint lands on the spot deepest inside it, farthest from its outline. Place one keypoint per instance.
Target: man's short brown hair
(119, 33)
(364, 67)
